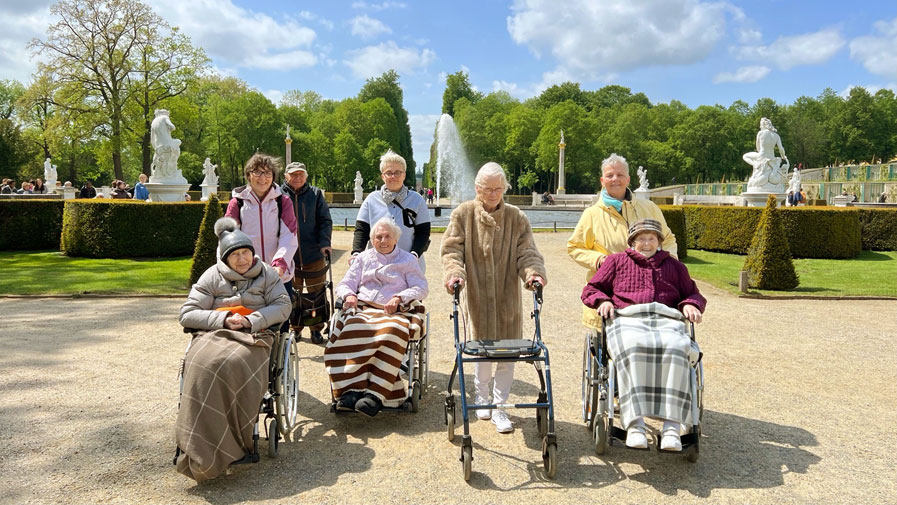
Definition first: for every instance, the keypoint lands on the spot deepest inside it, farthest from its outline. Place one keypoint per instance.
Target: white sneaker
(635, 436)
(501, 421)
(671, 440)
(483, 414)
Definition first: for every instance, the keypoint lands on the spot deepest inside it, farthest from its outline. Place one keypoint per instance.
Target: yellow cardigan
(602, 231)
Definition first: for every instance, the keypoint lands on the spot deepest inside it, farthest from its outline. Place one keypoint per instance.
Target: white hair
(615, 159)
(389, 224)
(391, 156)
(490, 170)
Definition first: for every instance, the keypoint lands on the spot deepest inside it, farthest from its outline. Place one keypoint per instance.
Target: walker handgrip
(456, 289)
(537, 287)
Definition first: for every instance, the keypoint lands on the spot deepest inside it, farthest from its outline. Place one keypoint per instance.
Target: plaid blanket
(225, 379)
(366, 349)
(652, 353)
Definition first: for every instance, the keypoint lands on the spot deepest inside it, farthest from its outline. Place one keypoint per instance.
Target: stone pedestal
(160, 192)
(208, 190)
(840, 201)
(359, 196)
(105, 191)
(537, 199)
(67, 193)
(642, 194)
(759, 199)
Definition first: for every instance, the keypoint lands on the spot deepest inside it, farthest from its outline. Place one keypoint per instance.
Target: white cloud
(871, 88)
(31, 21)
(311, 16)
(791, 51)
(234, 36)
(878, 53)
(749, 36)
(751, 73)
(594, 37)
(442, 77)
(511, 87)
(275, 95)
(379, 6)
(368, 27)
(422, 128)
(372, 61)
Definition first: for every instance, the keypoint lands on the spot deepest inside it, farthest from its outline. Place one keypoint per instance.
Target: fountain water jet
(452, 165)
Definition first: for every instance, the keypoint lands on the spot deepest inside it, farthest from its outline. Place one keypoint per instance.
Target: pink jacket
(376, 277)
(260, 221)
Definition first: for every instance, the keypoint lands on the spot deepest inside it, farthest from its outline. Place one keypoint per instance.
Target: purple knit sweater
(628, 278)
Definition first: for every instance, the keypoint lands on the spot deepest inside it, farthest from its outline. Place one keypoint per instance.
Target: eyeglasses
(392, 173)
(645, 240)
(262, 175)
(491, 191)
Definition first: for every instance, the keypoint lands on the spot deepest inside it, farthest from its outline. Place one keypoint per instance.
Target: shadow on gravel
(736, 453)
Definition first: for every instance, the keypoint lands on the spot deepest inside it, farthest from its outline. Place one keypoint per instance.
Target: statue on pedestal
(50, 174)
(642, 178)
(359, 190)
(769, 171)
(166, 149)
(794, 185)
(211, 178)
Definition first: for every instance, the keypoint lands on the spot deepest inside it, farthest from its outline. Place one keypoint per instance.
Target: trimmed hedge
(811, 232)
(130, 229)
(879, 229)
(30, 225)
(206, 249)
(768, 263)
(675, 218)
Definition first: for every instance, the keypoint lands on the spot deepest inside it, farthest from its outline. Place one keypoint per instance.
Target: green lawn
(29, 273)
(873, 273)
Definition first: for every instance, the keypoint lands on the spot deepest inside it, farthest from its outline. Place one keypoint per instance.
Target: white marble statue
(642, 178)
(794, 184)
(769, 171)
(211, 178)
(359, 190)
(49, 171)
(167, 149)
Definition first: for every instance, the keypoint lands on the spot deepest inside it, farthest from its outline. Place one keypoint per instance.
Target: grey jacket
(259, 289)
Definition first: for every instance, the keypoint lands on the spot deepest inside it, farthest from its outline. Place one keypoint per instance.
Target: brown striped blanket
(225, 379)
(366, 349)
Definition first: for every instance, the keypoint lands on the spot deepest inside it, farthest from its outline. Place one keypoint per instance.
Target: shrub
(30, 225)
(205, 251)
(768, 262)
(723, 229)
(675, 218)
(879, 229)
(129, 229)
(822, 233)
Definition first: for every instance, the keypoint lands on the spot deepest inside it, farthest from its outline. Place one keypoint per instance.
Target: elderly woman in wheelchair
(234, 310)
(645, 296)
(380, 315)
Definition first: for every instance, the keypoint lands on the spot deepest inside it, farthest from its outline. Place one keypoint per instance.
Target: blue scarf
(611, 201)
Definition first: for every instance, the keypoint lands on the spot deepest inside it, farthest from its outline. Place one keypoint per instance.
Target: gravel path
(799, 409)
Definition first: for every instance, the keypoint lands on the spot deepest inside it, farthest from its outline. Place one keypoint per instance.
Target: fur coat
(493, 252)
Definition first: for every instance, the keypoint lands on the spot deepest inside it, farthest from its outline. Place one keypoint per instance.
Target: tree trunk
(116, 144)
(145, 149)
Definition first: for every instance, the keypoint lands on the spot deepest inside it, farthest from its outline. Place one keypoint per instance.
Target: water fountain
(452, 166)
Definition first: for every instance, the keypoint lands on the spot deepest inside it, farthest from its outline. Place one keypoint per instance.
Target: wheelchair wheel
(586, 388)
(550, 460)
(415, 396)
(695, 451)
(466, 461)
(286, 385)
(601, 431)
(273, 438)
(542, 421)
(450, 421)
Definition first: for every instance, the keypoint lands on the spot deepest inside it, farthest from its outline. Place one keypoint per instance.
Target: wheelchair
(280, 402)
(415, 368)
(600, 397)
(517, 350)
(311, 305)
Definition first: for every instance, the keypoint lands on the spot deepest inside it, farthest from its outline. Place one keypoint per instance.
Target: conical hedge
(204, 253)
(768, 262)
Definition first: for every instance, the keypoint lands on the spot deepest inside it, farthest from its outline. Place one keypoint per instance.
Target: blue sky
(696, 51)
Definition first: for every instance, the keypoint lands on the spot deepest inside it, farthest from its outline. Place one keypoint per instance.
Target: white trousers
(504, 376)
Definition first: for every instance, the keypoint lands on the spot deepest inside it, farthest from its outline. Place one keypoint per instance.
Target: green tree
(457, 86)
(91, 51)
(768, 262)
(560, 93)
(581, 156)
(387, 87)
(348, 156)
(10, 92)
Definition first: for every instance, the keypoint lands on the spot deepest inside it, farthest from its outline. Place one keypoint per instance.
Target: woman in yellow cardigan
(488, 247)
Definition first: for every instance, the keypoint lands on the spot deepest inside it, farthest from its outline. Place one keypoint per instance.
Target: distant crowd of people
(121, 190)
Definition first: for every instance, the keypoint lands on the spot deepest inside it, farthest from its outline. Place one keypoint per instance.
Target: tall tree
(91, 50)
(457, 86)
(10, 91)
(387, 87)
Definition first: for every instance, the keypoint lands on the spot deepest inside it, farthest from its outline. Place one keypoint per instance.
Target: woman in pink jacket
(266, 215)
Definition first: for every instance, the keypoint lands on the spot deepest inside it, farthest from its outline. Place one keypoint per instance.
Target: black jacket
(315, 226)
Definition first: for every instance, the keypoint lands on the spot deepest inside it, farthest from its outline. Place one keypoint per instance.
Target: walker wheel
(550, 460)
(450, 422)
(466, 461)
